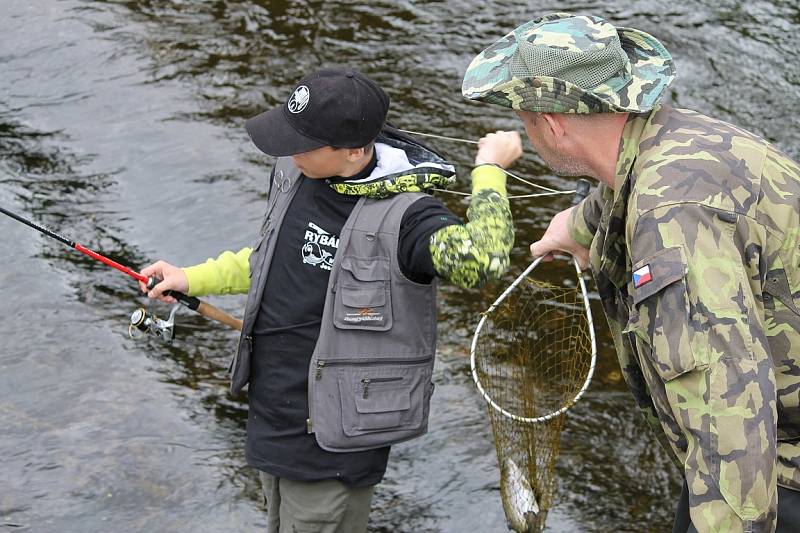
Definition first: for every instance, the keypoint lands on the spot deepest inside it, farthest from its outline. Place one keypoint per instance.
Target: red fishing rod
(191, 302)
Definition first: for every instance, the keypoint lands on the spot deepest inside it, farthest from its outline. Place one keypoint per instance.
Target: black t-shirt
(288, 324)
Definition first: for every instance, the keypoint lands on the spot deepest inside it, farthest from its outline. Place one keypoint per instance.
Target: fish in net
(532, 357)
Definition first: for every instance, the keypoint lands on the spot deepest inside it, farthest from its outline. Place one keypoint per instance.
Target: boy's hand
(173, 278)
(501, 148)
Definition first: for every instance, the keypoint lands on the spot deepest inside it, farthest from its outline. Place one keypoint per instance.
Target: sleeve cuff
(199, 278)
(488, 176)
(577, 227)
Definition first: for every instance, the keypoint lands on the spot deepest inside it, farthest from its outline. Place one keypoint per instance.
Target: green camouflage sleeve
(585, 217)
(468, 255)
(704, 351)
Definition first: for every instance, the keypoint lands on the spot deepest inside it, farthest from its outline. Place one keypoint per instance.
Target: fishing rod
(141, 320)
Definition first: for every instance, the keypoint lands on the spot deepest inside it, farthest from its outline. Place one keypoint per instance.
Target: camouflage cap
(564, 63)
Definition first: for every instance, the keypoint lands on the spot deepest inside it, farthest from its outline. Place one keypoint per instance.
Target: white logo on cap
(299, 99)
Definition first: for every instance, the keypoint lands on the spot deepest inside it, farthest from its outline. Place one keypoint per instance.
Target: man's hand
(501, 148)
(557, 238)
(173, 278)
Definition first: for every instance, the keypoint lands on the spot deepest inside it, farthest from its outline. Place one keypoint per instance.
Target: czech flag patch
(642, 276)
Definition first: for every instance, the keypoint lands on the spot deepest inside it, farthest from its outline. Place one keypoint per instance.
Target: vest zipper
(350, 362)
(249, 340)
(366, 381)
(320, 366)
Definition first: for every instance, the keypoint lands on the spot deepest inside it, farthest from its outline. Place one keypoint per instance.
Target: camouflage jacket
(696, 254)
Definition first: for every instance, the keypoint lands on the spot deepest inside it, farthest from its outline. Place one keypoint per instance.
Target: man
(692, 237)
(339, 329)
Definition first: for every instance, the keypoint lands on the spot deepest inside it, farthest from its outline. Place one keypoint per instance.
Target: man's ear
(555, 121)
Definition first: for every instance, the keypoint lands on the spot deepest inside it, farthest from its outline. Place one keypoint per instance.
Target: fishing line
(512, 197)
(509, 173)
(455, 139)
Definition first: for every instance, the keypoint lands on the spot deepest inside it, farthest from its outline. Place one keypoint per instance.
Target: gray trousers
(327, 506)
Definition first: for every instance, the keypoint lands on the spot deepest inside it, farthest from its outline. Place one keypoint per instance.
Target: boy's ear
(354, 154)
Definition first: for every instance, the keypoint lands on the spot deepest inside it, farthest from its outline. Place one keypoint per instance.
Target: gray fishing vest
(369, 382)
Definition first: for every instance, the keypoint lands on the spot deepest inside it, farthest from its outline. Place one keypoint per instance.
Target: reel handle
(581, 191)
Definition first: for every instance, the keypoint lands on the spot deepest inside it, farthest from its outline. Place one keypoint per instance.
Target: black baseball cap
(338, 107)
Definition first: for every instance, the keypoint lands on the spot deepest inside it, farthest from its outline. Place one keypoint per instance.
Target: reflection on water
(120, 126)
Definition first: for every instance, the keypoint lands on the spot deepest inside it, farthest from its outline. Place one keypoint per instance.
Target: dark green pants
(327, 506)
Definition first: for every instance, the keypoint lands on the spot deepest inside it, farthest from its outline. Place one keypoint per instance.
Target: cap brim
(273, 135)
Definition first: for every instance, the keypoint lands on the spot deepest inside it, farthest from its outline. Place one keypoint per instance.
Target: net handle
(497, 302)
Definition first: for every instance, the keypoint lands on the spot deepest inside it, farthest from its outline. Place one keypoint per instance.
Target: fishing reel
(146, 323)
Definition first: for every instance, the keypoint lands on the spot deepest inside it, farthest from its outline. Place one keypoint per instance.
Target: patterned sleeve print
(469, 255)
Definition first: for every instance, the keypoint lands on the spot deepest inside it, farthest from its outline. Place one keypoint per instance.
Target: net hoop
(474, 346)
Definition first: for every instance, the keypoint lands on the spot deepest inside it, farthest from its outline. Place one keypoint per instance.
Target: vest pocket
(363, 294)
(376, 400)
(660, 318)
(364, 405)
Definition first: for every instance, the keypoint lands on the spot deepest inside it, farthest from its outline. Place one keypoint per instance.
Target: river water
(121, 127)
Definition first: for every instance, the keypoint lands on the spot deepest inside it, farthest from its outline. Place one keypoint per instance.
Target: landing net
(533, 356)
